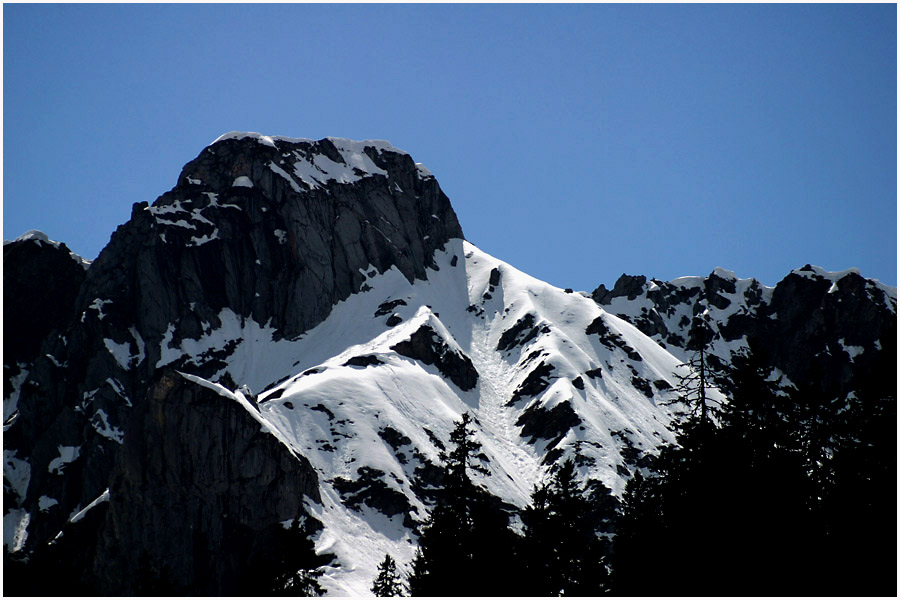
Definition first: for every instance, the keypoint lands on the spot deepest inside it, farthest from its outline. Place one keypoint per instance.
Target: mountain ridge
(326, 290)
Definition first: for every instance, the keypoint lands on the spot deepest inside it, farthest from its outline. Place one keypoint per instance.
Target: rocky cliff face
(260, 233)
(836, 331)
(213, 482)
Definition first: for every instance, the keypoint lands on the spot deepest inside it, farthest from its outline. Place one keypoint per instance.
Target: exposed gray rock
(537, 381)
(198, 479)
(626, 285)
(610, 339)
(426, 345)
(548, 424)
(519, 334)
(370, 488)
(803, 326)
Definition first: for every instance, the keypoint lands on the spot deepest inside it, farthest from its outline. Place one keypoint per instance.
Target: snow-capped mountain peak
(292, 332)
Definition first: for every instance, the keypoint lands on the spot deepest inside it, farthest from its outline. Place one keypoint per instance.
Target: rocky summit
(287, 339)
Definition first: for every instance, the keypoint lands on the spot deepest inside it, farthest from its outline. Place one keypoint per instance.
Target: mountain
(837, 329)
(291, 334)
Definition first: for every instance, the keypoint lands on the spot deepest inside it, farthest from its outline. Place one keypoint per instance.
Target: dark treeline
(770, 494)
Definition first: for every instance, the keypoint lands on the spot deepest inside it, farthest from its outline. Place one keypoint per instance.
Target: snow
(322, 400)
(313, 168)
(15, 529)
(243, 402)
(199, 241)
(120, 352)
(242, 181)
(316, 170)
(98, 305)
(118, 389)
(139, 341)
(814, 271)
(55, 361)
(35, 235)
(279, 171)
(45, 502)
(680, 313)
(335, 414)
(17, 473)
(724, 274)
(852, 351)
(100, 423)
(11, 402)
(79, 514)
(256, 359)
(340, 143)
(402, 393)
(67, 454)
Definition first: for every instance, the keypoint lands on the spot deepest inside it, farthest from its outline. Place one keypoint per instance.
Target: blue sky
(576, 142)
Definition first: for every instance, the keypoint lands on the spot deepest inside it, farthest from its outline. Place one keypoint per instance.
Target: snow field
(341, 415)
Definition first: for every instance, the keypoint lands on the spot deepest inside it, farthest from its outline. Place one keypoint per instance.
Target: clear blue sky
(576, 142)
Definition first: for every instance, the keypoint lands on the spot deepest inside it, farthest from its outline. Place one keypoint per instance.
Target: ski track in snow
(514, 460)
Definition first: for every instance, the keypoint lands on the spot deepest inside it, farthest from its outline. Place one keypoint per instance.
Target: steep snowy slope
(372, 393)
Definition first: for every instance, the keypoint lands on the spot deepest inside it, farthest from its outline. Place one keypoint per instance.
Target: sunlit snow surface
(332, 412)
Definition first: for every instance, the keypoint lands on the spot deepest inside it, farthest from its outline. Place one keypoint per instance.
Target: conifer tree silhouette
(465, 547)
(388, 582)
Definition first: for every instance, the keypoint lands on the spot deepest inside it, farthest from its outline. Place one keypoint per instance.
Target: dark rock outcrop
(609, 338)
(537, 380)
(548, 424)
(366, 360)
(426, 346)
(40, 283)
(626, 285)
(198, 480)
(519, 334)
(370, 488)
(834, 331)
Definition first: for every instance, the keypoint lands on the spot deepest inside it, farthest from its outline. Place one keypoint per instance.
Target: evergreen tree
(388, 582)
(859, 507)
(784, 496)
(465, 546)
(693, 386)
(285, 564)
(560, 551)
(677, 511)
(640, 534)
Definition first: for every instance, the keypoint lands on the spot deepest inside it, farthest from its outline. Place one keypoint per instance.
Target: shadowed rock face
(274, 230)
(197, 485)
(806, 325)
(40, 283)
(283, 251)
(425, 345)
